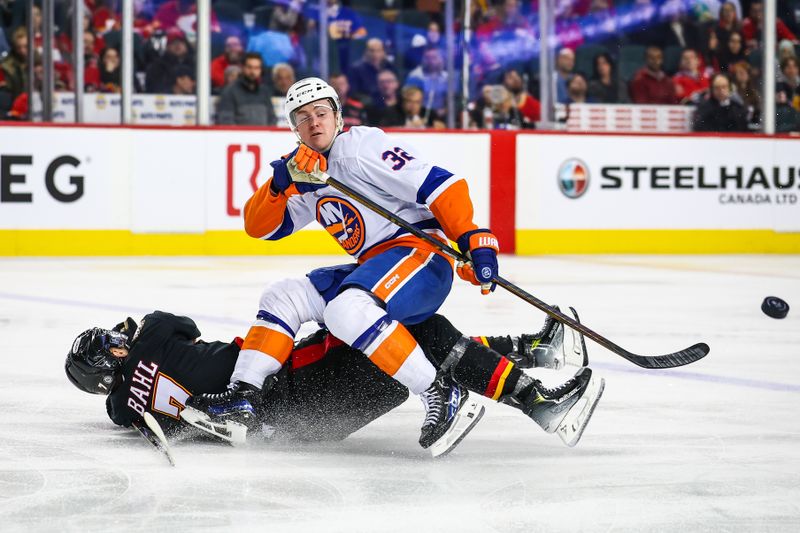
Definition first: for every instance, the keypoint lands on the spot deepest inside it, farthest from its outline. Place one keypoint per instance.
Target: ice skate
(577, 418)
(553, 347)
(226, 415)
(549, 406)
(450, 416)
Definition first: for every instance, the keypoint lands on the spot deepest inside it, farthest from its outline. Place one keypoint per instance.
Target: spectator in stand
(182, 15)
(745, 88)
(419, 43)
(728, 22)
(732, 52)
(14, 70)
(753, 25)
(604, 86)
(282, 78)
(183, 83)
(344, 25)
(578, 90)
(388, 97)
(720, 112)
(431, 78)
(709, 53)
(529, 107)
(785, 48)
(159, 75)
(787, 118)
(19, 109)
(690, 82)
(247, 101)
(790, 77)
(508, 20)
(274, 46)
(110, 74)
(565, 64)
(91, 60)
(651, 85)
(364, 74)
(412, 113)
(233, 54)
(495, 109)
(353, 111)
(232, 74)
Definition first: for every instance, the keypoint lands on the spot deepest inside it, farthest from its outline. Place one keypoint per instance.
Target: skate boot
(449, 415)
(226, 415)
(548, 407)
(553, 347)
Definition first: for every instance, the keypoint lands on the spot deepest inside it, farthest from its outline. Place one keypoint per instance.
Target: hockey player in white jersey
(398, 278)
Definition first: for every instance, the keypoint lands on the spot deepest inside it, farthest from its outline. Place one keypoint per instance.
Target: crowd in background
(388, 62)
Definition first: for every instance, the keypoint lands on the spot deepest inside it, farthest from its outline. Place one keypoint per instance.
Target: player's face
(120, 353)
(316, 124)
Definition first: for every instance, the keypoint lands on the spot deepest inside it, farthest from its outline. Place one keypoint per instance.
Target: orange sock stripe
(394, 279)
(394, 350)
(275, 344)
(495, 388)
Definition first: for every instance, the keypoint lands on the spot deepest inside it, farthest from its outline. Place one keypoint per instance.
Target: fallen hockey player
(326, 390)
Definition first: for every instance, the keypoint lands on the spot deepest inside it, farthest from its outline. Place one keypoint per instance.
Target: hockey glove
(481, 247)
(308, 166)
(299, 167)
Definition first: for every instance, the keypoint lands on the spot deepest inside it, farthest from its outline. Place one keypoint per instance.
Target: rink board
(180, 191)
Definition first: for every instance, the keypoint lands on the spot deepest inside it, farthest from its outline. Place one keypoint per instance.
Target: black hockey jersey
(166, 365)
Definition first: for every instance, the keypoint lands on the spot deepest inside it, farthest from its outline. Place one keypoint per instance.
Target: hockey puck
(775, 307)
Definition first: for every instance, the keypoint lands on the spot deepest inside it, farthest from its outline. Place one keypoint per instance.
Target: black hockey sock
(503, 345)
(473, 364)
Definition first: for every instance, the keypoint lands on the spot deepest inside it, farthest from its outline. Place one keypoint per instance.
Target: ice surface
(710, 447)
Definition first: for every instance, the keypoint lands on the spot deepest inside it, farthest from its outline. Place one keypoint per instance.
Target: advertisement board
(611, 182)
(168, 191)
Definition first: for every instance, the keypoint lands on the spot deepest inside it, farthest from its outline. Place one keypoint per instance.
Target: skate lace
(432, 401)
(555, 392)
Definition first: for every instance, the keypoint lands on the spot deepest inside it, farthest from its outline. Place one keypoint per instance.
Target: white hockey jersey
(382, 168)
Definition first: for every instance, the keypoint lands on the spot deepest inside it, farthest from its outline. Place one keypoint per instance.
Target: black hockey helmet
(90, 365)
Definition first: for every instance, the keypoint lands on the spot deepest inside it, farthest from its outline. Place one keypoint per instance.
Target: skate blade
(577, 356)
(574, 423)
(466, 419)
(231, 432)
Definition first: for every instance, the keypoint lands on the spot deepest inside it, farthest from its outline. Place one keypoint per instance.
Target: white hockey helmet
(310, 90)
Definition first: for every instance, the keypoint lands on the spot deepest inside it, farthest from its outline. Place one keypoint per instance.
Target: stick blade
(671, 360)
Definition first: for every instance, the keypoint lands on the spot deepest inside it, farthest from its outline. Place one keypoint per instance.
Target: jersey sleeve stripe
(435, 178)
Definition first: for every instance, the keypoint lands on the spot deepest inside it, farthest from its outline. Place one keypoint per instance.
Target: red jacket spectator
(232, 56)
(690, 79)
(753, 25)
(651, 85)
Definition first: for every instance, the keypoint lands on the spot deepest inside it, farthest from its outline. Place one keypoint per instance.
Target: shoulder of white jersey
(348, 142)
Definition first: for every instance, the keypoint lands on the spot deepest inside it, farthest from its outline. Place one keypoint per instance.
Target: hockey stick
(670, 360)
(153, 433)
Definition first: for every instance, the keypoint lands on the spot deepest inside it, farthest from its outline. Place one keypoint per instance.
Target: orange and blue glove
(304, 167)
(481, 247)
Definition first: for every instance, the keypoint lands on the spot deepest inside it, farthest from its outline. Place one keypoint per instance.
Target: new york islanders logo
(342, 220)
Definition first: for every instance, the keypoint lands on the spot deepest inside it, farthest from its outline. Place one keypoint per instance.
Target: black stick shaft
(682, 357)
